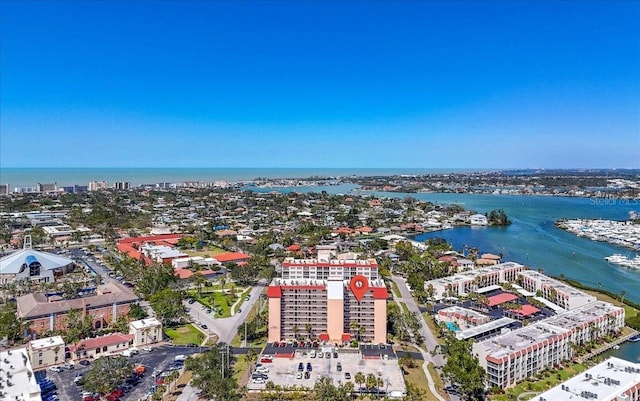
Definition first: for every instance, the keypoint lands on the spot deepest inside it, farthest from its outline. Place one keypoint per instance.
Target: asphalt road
(438, 360)
(158, 359)
(224, 328)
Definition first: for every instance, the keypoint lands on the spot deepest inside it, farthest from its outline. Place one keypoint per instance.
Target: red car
(111, 398)
(117, 392)
(266, 360)
(91, 398)
(160, 380)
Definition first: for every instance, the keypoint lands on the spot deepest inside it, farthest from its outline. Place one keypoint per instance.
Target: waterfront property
(612, 380)
(553, 290)
(330, 299)
(516, 355)
(44, 313)
(471, 281)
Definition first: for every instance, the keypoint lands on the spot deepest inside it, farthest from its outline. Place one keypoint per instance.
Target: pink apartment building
(330, 299)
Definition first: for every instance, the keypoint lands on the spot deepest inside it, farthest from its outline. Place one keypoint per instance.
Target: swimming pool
(452, 326)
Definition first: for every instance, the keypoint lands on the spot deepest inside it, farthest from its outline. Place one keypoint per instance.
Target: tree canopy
(107, 373)
(462, 368)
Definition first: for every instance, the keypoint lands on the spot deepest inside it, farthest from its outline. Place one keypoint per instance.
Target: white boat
(616, 347)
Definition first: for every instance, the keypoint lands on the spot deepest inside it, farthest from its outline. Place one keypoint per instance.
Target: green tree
(11, 327)
(137, 312)
(107, 373)
(462, 368)
(168, 306)
(360, 379)
(327, 391)
(213, 373)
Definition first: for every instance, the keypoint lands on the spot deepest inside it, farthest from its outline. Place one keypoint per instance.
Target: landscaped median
(219, 299)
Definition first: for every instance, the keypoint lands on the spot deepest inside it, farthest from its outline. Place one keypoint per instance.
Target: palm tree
(360, 379)
(622, 294)
(295, 331)
(370, 382)
(309, 329)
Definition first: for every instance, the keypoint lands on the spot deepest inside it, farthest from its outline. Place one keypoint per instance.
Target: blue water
(452, 326)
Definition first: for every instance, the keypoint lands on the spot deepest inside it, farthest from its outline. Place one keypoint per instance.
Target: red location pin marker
(359, 286)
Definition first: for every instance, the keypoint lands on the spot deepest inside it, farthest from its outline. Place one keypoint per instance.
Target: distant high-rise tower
(98, 185)
(123, 185)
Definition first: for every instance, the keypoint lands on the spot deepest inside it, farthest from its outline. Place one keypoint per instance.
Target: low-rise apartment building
(462, 317)
(469, 281)
(111, 344)
(521, 353)
(612, 380)
(554, 290)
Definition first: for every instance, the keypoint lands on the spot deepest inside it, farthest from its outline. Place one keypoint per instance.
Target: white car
(299, 375)
(56, 369)
(147, 349)
(262, 369)
(258, 381)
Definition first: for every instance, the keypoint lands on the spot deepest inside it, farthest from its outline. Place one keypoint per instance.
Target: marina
(621, 233)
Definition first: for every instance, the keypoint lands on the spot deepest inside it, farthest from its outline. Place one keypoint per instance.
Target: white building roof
(11, 264)
(19, 373)
(145, 323)
(606, 381)
(48, 342)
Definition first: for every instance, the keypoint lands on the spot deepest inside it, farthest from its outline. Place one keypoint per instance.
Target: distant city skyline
(433, 84)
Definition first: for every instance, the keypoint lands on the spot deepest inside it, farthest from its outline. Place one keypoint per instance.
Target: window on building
(98, 350)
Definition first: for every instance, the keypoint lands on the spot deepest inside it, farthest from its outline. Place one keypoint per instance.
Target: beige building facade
(46, 352)
(145, 331)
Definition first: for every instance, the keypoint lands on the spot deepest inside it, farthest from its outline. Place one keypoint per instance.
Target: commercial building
(122, 185)
(38, 266)
(553, 290)
(330, 299)
(145, 331)
(45, 352)
(132, 247)
(612, 380)
(521, 353)
(47, 188)
(470, 281)
(111, 344)
(17, 378)
(44, 312)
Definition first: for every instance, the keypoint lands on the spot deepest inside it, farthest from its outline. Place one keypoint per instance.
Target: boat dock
(606, 347)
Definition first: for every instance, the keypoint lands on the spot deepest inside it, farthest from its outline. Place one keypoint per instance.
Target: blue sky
(421, 84)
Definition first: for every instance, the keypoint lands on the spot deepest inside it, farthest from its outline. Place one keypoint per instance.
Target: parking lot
(159, 360)
(286, 371)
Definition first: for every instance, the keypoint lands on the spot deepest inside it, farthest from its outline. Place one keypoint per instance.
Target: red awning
(324, 336)
(346, 337)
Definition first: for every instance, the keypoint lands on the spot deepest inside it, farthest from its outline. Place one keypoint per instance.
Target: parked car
(84, 362)
(258, 381)
(347, 376)
(299, 375)
(56, 369)
(339, 367)
(309, 367)
(307, 375)
(68, 366)
(262, 369)
(300, 367)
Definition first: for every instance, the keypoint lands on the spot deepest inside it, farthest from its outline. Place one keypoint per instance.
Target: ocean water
(29, 177)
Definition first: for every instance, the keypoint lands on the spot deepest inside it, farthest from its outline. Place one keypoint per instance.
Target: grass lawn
(395, 290)
(628, 310)
(433, 327)
(179, 385)
(405, 308)
(437, 380)
(220, 301)
(415, 376)
(240, 368)
(185, 334)
(539, 385)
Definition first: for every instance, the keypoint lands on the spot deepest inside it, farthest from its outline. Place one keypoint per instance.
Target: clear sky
(420, 84)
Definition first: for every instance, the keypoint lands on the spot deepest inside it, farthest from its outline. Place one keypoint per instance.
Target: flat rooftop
(471, 274)
(518, 340)
(604, 381)
(17, 370)
(462, 312)
(583, 314)
(558, 285)
(484, 328)
(48, 342)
